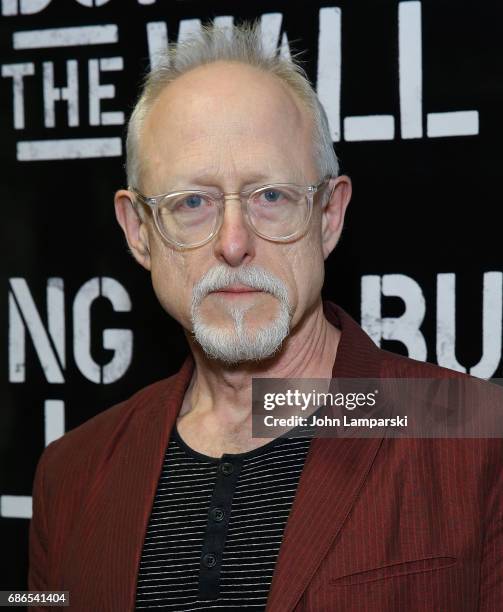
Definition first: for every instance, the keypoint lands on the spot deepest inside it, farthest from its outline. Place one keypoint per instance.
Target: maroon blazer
(377, 524)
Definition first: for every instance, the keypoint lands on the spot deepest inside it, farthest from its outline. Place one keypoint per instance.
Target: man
(166, 500)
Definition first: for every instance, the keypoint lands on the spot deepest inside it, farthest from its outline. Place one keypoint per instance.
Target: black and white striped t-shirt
(216, 526)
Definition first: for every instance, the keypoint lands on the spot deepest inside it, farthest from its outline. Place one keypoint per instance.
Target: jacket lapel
(334, 473)
(108, 538)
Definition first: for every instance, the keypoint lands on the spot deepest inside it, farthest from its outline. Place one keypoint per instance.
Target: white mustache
(222, 276)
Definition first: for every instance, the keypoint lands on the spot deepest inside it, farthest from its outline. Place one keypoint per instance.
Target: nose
(234, 244)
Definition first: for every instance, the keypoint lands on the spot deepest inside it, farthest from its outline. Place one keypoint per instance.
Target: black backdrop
(414, 92)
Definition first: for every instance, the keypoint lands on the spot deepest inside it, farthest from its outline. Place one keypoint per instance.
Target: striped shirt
(216, 526)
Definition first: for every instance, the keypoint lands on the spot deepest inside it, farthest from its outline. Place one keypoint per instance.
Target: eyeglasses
(187, 219)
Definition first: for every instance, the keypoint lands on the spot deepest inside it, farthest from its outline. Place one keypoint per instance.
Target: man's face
(230, 127)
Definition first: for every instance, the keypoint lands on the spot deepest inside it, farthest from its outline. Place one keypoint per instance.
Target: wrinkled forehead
(226, 119)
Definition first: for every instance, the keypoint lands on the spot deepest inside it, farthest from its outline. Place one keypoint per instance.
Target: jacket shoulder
(394, 365)
(83, 448)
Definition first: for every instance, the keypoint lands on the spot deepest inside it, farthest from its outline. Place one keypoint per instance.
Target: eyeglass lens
(276, 212)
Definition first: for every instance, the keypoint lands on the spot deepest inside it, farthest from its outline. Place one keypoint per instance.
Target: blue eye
(272, 195)
(193, 201)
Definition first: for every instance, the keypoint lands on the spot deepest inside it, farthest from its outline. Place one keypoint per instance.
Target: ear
(134, 227)
(333, 212)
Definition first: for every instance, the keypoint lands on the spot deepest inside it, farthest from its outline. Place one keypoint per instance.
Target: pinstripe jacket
(404, 525)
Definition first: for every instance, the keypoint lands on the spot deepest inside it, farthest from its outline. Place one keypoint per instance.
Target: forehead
(226, 119)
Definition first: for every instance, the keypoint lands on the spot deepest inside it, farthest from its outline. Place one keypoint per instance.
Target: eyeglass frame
(219, 198)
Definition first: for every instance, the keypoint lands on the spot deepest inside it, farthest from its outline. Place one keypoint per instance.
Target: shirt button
(226, 468)
(209, 560)
(217, 514)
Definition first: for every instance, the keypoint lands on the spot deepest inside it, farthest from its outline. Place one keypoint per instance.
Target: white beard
(238, 343)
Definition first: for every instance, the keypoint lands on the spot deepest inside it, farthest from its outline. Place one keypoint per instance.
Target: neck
(218, 399)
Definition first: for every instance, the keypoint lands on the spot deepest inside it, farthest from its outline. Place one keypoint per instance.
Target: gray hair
(240, 43)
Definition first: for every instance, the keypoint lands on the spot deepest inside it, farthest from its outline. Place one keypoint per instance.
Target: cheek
(305, 271)
(315, 261)
(170, 280)
(309, 271)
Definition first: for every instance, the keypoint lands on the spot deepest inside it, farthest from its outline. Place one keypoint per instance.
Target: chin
(241, 342)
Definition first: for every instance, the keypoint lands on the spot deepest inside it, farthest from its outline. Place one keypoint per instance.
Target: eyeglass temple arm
(323, 182)
(138, 196)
